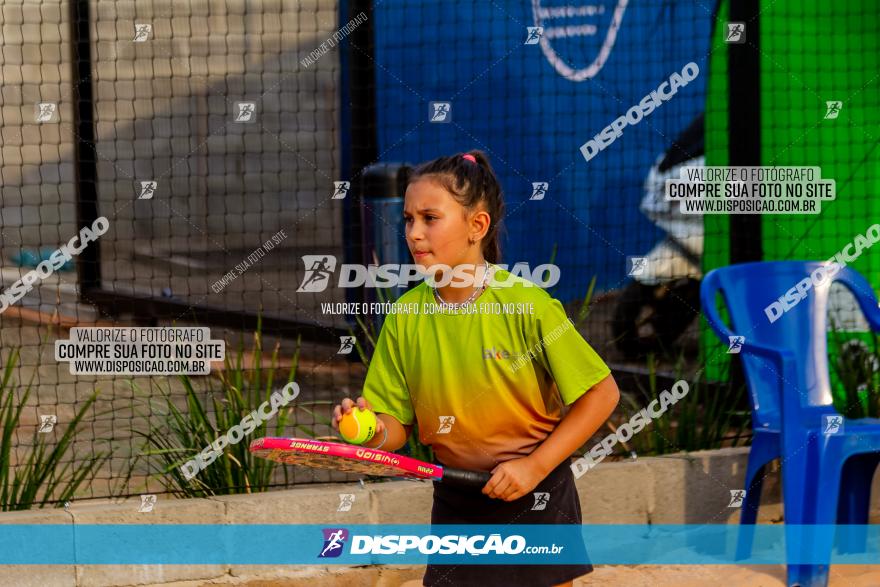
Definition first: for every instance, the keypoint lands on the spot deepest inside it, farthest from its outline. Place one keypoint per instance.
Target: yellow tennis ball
(357, 427)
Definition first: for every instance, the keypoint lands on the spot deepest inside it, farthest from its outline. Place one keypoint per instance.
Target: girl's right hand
(346, 406)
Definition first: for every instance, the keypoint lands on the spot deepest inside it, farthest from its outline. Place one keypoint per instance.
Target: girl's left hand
(512, 479)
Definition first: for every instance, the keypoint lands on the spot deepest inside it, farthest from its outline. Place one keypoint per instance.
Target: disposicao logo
(319, 269)
(334, 542)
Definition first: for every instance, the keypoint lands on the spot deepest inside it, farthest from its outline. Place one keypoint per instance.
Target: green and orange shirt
(486, 384)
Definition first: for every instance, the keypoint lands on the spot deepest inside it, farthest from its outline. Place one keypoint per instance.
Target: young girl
(487, 389)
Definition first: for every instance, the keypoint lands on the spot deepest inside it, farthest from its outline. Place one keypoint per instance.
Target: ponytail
(470, 179)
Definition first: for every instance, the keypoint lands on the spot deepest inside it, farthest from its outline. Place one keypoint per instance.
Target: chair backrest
(751, 292)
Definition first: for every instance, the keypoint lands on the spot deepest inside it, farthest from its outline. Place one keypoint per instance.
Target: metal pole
(744, 141)
(744, 123)
(85, 160)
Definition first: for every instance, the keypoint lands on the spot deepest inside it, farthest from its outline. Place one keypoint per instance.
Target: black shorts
(457, 505)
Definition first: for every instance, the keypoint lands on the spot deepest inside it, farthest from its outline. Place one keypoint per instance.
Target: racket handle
(466, 478)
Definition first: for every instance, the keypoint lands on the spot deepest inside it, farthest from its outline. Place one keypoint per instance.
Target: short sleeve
(385, 387)
(564, 353)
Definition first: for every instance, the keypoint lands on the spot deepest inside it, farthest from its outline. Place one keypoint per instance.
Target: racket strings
(333, 462)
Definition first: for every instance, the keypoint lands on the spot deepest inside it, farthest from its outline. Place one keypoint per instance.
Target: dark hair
(470, 184)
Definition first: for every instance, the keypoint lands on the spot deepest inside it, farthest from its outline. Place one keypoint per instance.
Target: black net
(584, 109)
(210, 145)
(240, 151)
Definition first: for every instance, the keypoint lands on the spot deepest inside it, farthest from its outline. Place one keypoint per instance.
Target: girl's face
(437, 231)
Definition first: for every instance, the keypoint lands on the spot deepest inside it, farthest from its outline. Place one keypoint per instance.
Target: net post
(744, 123)
(744, 142)
(88, 265)
(359, 134)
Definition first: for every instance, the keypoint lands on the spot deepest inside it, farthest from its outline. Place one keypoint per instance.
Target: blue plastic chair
(826, 478)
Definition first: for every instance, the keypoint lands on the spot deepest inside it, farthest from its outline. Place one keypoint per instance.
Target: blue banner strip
(302, 544)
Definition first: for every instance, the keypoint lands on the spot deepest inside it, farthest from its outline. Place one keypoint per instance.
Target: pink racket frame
(345, 457)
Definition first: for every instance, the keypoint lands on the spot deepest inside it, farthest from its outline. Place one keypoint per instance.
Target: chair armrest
(864, 294)
(708, 289)
(781, 359)
(792, 410)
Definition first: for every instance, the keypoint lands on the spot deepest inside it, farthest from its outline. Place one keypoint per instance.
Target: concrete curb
(683, 488)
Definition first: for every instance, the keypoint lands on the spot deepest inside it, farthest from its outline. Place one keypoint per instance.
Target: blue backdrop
(531, 106)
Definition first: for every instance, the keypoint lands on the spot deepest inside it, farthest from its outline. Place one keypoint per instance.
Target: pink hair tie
(469, 157)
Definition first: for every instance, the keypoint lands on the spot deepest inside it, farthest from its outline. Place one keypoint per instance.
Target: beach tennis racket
(350, 458)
